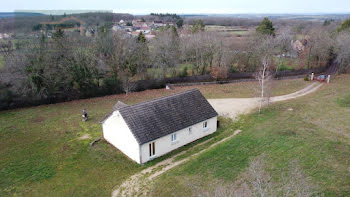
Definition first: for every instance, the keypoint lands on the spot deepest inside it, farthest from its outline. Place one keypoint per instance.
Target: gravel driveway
(232, 107)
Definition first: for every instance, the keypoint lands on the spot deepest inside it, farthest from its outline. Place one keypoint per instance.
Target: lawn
(313, 130)
(41, 153)
(247, 89)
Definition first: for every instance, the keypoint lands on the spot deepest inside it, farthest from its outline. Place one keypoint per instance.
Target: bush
(183, 72)
(233, 68)
(6, 97)
(283, 67)
(219, 73)
(111, 85)
(306, 78)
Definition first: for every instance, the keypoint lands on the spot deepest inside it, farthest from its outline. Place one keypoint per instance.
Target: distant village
(134, 27)
(131, 28)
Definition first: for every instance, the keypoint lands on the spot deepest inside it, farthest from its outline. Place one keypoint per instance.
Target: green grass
(247, 89)
(41, 155)
(344, 101)
(315, 133)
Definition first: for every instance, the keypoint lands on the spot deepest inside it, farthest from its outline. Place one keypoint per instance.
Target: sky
(184, 6)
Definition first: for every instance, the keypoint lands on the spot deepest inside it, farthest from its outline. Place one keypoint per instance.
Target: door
(152, 149)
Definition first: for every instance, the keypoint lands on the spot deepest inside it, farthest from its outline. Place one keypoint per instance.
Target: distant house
(135, 33)
(297, 45)
(300, 45)
(144, 30)
(90, 32)
(158, 24)
(151, 129)
(149, 36)
(4, 36)
(117, 28)
(122, 22)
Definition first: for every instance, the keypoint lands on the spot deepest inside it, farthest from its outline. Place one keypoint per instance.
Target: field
(237, 31)
(45, 151)
(315, 134)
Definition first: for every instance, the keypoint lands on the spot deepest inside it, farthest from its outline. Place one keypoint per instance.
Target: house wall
(164, 144)
(117, 133)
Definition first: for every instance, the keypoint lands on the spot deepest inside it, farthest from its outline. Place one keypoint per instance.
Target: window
(190, 131)
(173, 137)
(152, 149)
(205, 125)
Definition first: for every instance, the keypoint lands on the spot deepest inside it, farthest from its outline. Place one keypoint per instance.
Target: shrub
(111, 85)
(284, 67)
(219, 72)
(6, 97)
(183, 72)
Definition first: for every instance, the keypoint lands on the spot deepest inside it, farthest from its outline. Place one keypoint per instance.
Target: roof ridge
(164, 97)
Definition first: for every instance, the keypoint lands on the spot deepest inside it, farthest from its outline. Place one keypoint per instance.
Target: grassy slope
(247, 89)
(316, 133)
(40, 153)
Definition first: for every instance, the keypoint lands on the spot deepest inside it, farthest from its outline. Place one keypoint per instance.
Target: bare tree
(321, 43)
(343, 50)
(295, 183)
(128, 82)
(165, 51)
(283, 42)
(204, 49)
(258, 178)
(264, 73)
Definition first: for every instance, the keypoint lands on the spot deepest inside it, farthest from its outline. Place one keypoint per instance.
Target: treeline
(70, 66)
(161, 15)
(26, 24)
(224, 21)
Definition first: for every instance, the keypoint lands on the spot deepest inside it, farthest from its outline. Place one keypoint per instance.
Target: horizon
(183, 7)
(61, 12)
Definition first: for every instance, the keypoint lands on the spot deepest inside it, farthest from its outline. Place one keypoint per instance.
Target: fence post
(312, 76)
(328, 78)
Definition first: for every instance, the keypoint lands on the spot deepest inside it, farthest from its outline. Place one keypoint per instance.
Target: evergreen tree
(141, 38)
(198, 26)
(174, 31)
(58, 34)
(327, 22)
(266, 27)
(344, 26)
(180, 23)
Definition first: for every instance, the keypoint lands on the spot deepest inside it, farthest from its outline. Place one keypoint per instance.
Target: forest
(37, 69)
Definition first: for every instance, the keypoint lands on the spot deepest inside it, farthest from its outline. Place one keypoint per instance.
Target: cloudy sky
(184, 6)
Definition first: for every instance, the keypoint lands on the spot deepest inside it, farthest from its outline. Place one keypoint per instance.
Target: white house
(151, 129)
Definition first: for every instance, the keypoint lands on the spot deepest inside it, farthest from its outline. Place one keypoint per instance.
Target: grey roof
(160, 117)
(116, 107)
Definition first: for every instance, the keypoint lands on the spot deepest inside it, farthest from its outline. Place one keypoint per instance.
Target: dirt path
(137, 185)
(232, 107)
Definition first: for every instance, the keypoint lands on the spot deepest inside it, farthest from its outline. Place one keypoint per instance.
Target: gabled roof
(160, 117)
(116, 107)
